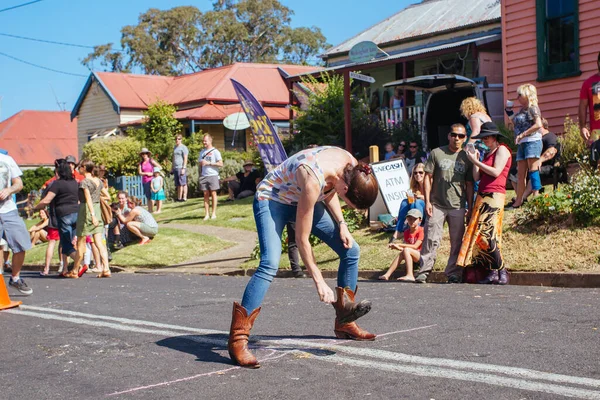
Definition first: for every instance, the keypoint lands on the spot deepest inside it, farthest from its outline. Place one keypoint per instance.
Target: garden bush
(119, 154)
(576, 203)
(572, 146)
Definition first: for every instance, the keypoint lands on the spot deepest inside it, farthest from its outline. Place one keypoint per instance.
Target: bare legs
(410, 256)
(210, 195)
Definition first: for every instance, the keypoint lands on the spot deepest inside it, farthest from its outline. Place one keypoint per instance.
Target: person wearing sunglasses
(413, 156)
(448, 187)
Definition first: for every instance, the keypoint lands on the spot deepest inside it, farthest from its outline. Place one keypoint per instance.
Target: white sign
(393, 183)
(362, 77)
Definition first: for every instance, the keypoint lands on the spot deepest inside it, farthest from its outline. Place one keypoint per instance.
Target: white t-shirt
(211, 155)
(8, 171)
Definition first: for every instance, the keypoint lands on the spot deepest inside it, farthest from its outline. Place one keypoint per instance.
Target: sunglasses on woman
(419, 172)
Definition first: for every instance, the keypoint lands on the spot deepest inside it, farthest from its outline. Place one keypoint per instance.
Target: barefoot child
(158, 191)
(410, 250)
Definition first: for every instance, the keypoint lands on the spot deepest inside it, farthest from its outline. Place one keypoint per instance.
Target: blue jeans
(271, 217)
(404, 208)
(66, 230)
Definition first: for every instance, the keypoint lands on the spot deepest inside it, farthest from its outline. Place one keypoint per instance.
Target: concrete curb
(550, 279)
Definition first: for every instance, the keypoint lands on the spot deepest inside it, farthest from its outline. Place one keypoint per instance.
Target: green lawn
(171, 246)
(236, 214)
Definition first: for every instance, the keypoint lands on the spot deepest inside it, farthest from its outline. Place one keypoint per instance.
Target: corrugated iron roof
(479, 38)
(426, 18)
(36, 138)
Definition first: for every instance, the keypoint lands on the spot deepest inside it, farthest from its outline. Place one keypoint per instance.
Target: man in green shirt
(448, 188)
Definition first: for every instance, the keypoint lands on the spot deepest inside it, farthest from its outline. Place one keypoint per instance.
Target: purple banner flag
(265, 136)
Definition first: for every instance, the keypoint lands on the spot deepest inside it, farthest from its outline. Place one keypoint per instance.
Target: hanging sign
(361, 77)
(363, 51)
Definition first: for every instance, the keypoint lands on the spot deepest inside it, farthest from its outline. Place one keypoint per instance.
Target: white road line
(451, 369)
(435, 372)
(446, 363)
(124, 320)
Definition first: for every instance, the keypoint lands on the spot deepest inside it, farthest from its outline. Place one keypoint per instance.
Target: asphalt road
(163, 337)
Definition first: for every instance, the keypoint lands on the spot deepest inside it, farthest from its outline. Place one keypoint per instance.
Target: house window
(557, 39)
(235, 140)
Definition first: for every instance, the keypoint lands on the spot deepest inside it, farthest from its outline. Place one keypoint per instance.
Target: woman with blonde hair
(528, 137)
(475, 113)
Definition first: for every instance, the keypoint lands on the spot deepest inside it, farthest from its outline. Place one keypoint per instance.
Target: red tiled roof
(36, 138)
(263, 80)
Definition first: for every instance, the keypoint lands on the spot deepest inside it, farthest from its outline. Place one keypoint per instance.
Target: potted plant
(572, 148)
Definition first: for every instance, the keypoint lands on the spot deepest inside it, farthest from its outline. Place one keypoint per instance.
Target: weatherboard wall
(559, 97)
(96, 112)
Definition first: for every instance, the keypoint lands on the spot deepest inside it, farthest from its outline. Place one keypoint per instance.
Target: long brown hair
(362, 185)
(414, 184)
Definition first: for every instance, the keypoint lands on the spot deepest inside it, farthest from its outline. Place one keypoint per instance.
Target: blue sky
(85, 22)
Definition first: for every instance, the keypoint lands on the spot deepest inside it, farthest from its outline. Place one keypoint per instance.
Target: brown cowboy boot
(241, 324)
(349, 311)
(346, 310)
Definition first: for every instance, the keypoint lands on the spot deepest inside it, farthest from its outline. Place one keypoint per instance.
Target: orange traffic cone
(5, 301)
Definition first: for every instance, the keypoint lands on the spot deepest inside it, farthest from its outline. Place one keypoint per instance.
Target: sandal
(145, 241)
(71, 275)
(383, 278)
(104, 274)
(405, 279)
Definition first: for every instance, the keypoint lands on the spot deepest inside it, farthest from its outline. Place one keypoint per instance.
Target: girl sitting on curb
(410, 250)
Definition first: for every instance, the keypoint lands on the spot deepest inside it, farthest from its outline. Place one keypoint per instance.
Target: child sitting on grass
(410, 249)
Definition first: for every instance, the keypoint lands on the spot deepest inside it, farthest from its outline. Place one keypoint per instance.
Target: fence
(131, 184)
(392, 117)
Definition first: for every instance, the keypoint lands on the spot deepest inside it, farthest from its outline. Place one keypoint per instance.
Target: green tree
(183, 39)
(158, 131)
(33, 179)
(322, 123)
(119, 154)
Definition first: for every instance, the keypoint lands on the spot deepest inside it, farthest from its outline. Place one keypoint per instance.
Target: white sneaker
(206, 217)
(214, 216)
(60, 268)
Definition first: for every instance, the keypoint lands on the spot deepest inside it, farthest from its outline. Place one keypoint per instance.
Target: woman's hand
(346, 236)
(94, 220)
(325, 292)
(472, 154)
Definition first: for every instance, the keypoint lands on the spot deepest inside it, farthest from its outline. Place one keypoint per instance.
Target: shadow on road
(206, 348)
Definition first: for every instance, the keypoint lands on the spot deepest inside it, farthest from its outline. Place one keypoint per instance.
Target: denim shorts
(529, 150)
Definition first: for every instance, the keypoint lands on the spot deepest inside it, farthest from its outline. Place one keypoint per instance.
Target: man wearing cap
(244, 183)
(73, 163)
(448, 187)
(209, 161)
(12, 227)
(180, 159)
